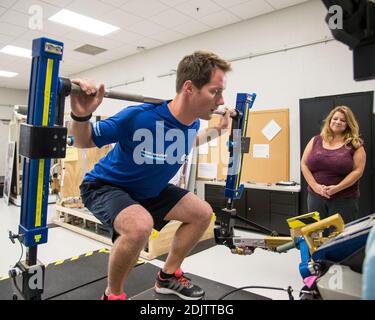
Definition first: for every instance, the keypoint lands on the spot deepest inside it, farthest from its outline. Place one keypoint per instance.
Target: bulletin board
(267, 160)
(276, 167)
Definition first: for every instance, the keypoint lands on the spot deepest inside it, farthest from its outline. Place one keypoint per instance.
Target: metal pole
(120, 95)
(76, 89)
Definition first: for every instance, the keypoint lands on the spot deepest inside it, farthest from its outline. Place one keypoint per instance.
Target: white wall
(8, 98)
(279, 79)
(12, 97)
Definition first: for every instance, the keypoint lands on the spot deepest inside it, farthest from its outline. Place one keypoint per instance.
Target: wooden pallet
(83, 222)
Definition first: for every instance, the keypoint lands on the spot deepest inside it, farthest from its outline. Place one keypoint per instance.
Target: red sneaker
(122, 296)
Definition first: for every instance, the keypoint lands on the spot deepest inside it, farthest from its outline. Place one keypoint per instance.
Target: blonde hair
(351, 133)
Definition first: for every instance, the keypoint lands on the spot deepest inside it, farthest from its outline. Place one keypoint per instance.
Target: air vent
(89, 49)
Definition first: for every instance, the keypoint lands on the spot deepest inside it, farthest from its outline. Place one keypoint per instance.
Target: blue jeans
(347, 208)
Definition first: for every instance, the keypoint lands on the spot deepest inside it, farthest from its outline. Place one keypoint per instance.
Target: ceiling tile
(170, 18)
(30, 35)
(145, 28)
(115, 3)
(20, 65)
(251, 9)
(59, 3)
(7, 3)
(120, 18)
(124, 36)
(173, 3)
(69, 44)
(167, 36)
(6, 60)
(144, 8)
(22, 43)
(279, 4)
(15, 18)
(147, 43)
(4, 39)
(118, 53)
(219, 19)
(92, 8)
(229, 3)
(25, 5)
(87, 38)
(54, 29)
(11, 29)
(192, 27)
(197, 8)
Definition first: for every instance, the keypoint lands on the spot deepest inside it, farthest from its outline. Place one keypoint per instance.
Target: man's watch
(80, 119)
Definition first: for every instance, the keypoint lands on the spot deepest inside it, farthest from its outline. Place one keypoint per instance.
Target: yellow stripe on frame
(243, 134)
(47, 92)
(246, 120)
(47, 100)
(38, 213)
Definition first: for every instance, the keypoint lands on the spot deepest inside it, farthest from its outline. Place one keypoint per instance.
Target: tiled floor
(262, 268)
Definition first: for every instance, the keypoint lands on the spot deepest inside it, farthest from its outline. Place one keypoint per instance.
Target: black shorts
(105, 202)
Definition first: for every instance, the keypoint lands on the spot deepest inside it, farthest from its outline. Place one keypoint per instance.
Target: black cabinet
(214, 195)
(258, 206)
(283, 205)
(268, 208)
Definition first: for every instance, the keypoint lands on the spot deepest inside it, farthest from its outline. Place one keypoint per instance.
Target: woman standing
(332, 164)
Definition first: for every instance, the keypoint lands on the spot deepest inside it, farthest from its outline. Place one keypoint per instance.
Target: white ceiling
(142, 23)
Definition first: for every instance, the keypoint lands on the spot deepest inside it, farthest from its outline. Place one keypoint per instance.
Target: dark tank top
(330, 167)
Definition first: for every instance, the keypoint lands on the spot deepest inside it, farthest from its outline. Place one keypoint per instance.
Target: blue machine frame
(43, 91)
(233, 189)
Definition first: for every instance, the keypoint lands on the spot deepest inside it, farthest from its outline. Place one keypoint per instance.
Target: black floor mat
(64, 275)
(214, 290)
(88, 274)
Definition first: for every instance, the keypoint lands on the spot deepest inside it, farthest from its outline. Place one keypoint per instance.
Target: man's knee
(135, 224)
(205, 212)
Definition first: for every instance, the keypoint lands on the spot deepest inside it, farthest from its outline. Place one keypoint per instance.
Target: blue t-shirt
(151, 145)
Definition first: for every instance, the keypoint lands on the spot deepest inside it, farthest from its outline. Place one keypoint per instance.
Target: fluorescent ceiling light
(81, 22)
(7, 74)
(16, 51)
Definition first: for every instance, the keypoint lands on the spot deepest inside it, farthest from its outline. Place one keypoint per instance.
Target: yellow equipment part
(273, 242)
(313, 232)
(303, 220)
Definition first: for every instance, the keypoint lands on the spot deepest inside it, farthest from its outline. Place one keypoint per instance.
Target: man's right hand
(87, 102)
